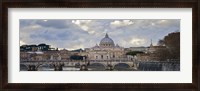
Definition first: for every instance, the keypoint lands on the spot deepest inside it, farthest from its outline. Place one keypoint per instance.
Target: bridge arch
(44, 67)
(97, 66)
(23, 67)
(122, 66)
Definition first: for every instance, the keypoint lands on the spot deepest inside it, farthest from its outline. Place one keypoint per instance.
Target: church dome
(107, 42)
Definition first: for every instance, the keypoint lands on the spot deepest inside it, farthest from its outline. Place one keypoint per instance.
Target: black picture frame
(194, 4)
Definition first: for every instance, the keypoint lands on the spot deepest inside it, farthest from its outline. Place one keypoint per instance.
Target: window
(96, 57)
(101, 56)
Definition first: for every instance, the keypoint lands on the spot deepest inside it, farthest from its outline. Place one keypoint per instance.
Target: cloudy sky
(75, 34)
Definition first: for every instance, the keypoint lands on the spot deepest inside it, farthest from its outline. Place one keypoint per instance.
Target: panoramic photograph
(99, 44)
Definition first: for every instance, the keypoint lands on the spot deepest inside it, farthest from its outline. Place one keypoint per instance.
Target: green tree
(133, 53)
(76, 57)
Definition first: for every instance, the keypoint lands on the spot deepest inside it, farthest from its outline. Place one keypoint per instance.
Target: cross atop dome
(106, 36)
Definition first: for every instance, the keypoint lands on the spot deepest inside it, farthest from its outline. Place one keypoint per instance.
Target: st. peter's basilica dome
(107, 42)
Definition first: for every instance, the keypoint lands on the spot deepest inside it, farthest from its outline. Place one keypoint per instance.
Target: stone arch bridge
(83, 65)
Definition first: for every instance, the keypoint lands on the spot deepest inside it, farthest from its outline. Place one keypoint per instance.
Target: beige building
(52, 55)
(24, 56)
(153, 49)
(65, 54)
(106, 50)
(36, 56)
(151, 53)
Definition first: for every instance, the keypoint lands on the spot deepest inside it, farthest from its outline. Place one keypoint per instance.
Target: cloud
(84, 25)
(35, 26)
(162, 21)
(81, 22)
(22, 43)
(60, 24)
(132, 41)
(137, 41)
(121, 23)
(152, 24)
(75, 34)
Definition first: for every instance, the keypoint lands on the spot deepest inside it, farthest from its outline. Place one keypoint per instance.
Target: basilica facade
(106, 50)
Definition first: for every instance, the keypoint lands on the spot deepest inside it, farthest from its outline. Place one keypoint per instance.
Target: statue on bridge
(32, 68)
(58, 66)
(83, 68)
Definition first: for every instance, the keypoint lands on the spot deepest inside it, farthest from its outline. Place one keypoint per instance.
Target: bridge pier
(134, 67)
(32, 68)
(58, 66)
(109, 68)
(83, 68)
